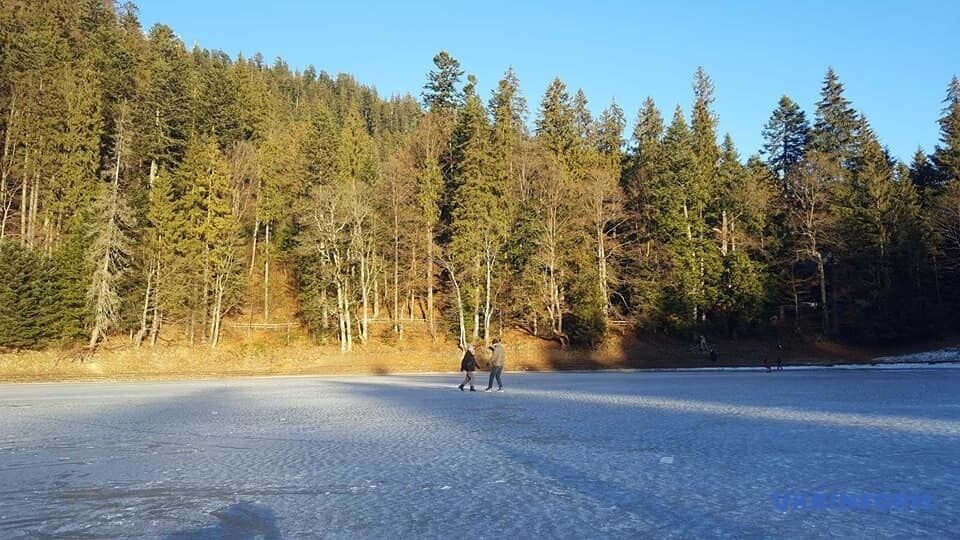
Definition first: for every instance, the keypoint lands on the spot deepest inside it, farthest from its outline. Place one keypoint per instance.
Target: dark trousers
(495, 372)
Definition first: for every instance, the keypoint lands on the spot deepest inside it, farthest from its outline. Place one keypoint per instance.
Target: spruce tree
(582, 119)
(947, 154)
(27, 304)
(676, 224)
(440, 94)
(641, 163)
(706, 214)
(786, 136)
(321, 149)
(477, 222)
(108, 257)
(923, 173)
(835, 121)
(609, 131)
(555, 125)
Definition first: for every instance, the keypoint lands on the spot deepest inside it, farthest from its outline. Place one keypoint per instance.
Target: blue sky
(895, 58)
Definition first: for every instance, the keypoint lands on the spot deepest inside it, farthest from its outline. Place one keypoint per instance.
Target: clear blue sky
(895, 57)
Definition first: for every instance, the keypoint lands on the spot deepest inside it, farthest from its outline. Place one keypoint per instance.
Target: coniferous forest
(144, 185)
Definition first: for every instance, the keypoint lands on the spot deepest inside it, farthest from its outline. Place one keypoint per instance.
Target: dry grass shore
(116, 361)
(119, 361)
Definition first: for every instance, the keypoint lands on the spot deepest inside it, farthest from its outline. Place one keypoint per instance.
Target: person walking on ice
(469, 365)
(496, 365)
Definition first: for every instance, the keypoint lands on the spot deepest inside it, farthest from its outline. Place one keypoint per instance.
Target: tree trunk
(430, 310)
(460, 312)
(205, 294)
(487, 311)
(138, 339)
(6, 162)
(156, 319)
(347, 319)
(724, 238)
(253, 252)
(823, 294)
(396, 275)
(221, 282)
(324, 312)
(23, 200)
(341, 318)
(155, 325)
(476, 310)
(602, 271)
(266, 273)
(364, 297)
(34, 203)
(376, 296)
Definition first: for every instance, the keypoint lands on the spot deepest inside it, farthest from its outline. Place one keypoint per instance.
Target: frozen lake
(694, 454)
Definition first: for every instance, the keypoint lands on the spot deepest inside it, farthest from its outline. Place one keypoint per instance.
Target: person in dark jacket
(469, 365)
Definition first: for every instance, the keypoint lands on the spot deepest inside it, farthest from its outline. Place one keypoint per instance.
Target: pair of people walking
(469, 365)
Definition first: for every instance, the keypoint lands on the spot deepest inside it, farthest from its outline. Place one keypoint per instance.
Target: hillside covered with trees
(143, 185)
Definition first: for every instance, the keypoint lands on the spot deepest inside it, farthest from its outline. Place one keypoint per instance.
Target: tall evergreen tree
(786, 136)
(440, 94)
(835, 121)
(641, 163)
(555, 125)
(947, 154)
(923, 173)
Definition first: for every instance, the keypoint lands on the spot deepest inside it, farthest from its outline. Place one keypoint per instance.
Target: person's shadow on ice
(241, 520)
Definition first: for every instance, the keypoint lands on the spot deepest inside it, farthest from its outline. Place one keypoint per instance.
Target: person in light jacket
(496, 365)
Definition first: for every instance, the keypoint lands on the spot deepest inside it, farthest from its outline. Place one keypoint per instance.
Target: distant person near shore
(468, 365)
(779, 356)
(496, 365)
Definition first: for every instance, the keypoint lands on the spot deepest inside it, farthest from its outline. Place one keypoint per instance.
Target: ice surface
(579, 455)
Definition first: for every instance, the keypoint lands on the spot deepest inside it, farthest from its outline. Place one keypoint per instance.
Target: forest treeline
(145, 185)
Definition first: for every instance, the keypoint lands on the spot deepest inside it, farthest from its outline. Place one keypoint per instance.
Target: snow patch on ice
(938, 356)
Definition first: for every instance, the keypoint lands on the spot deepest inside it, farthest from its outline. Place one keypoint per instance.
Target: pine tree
(673, 195)
(786, 136)
(164, 111)
(609, 131)
(706, 213)
(923, 174)
(440, 94)
(641, 162)
(603, 196)
(582, 119)
(947, 154)
(26, 310)
(868, 209)
(507, 108)
(835, 121)
(476, 225)
(555, 125)
(207, 245)
(108, 257)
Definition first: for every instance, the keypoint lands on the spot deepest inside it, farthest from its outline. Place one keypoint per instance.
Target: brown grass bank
(117, 361)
